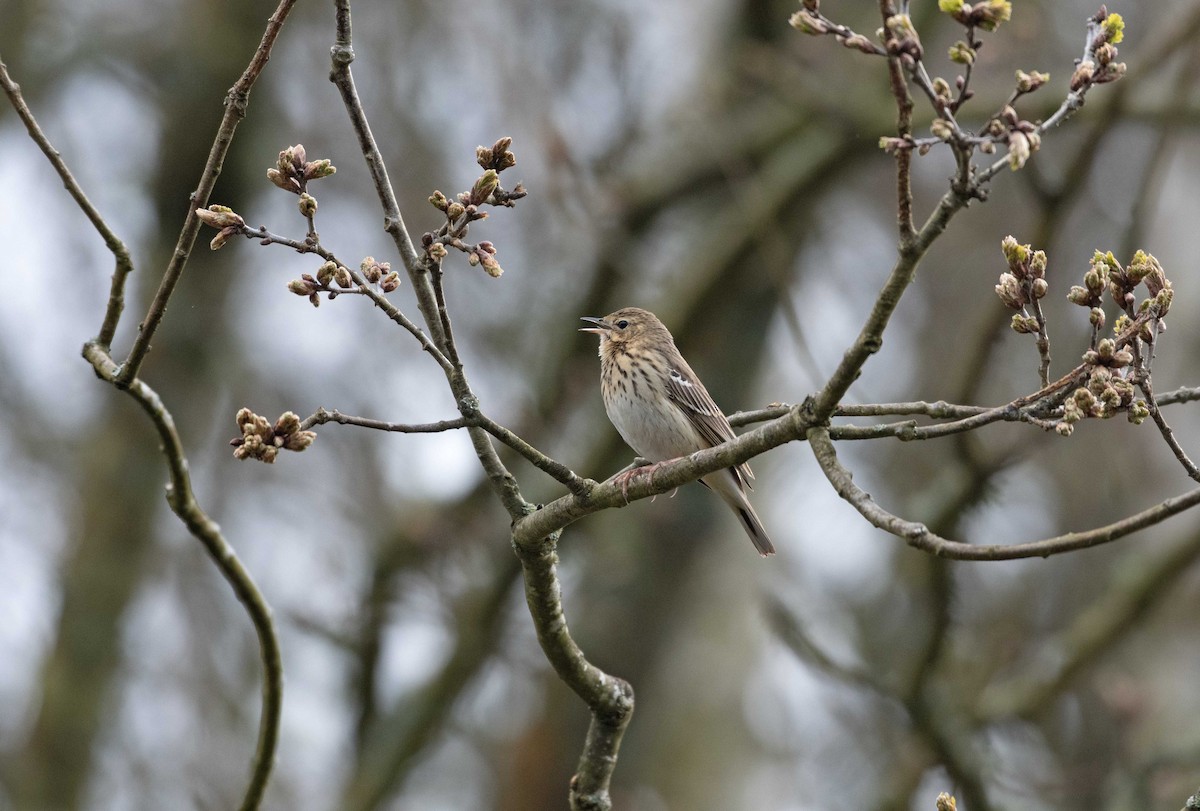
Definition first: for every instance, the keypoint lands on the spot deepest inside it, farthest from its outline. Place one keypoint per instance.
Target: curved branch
(116, 294)
(552, 517)
(183, 503)
(179, 490)
(919, 536)
(609, 698)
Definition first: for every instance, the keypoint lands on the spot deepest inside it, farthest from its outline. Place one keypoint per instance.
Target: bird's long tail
(729, 489)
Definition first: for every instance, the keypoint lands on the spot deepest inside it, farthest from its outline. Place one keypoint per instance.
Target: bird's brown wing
(689, 395)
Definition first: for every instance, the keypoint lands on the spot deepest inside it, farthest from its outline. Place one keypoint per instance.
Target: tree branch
(179, 491)
(236, 102)
(609, 699)
(364, 288)
(124, 263)
(342, 54)
(183, 503)
(919, 536)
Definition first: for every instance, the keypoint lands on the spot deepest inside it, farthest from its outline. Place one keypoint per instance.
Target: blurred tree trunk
(110, 539)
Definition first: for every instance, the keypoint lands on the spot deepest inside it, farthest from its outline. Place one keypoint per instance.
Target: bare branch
(236, 103)
(564, 475)
(183, 503)
(1165, 429)
(179, 491)
(342, 54)
(920, 537)
(322, 416)
(609, 698)
(560, 472)
(116, 295)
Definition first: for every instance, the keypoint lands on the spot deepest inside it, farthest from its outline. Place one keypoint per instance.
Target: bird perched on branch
(662, 410)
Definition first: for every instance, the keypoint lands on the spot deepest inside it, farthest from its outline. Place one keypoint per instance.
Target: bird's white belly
(654, 433)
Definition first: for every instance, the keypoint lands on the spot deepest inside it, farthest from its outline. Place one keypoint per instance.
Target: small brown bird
(662, 410)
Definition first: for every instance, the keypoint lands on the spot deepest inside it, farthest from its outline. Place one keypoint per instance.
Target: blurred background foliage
(700, 159)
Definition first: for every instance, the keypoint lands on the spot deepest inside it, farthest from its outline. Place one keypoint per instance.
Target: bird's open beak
(601, 326)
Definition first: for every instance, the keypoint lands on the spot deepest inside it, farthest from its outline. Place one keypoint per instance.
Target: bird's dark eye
(622, 324)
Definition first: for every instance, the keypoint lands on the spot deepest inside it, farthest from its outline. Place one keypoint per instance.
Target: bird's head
(626, 327)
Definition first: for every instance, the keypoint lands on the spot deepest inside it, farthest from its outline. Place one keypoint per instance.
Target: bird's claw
(626, 476)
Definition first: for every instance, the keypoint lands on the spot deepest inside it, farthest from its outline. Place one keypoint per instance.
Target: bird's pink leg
(626, 476)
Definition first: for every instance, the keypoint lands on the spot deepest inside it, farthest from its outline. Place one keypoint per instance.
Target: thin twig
(342, 54)
(560, 472)
(236, 102)
(124, 263)
(1165, 429)
(920, 537)
(1043, 341)
(364, 288)
(568, 478)
(323, 416)
(439, 295)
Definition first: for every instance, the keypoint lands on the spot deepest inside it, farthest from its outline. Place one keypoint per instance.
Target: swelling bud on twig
(484, 186)
(1020, 147)
(807, 22)
(1024, 325)
(1029, 82)
(986, 15)
(293, 170)
(1009, 291)
(946, 802)
(903, 37)
(371, 270)
(224, 218)
(497, 157)
(219, 216)
(1083, 74)
(961, 53)
(941, 129)
(1014, 252)
(262, 441)
(1144, 268)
